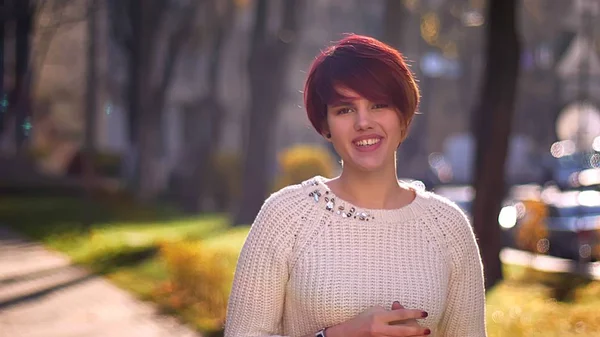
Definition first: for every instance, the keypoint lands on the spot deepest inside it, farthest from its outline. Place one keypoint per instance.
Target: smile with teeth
(367, 142)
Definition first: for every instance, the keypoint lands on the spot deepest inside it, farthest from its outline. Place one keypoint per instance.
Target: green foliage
(302, 162)
(103, 231)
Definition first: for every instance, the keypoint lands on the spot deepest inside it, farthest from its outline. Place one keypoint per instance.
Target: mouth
(368, 143)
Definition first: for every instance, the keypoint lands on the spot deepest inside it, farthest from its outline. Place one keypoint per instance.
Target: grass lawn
(122, 242)
(118, 240)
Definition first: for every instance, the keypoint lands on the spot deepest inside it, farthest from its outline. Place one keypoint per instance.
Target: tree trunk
(18, 110)
(149, 82)
(211, 112)
(467, 57)
(148, 136)
(13, 132)
(196, 180)
(2, 106)
(152, 148)
(493, 119)
(395, 16)
(414, 146)
(91, 83)
(90, 109)
(269, 58)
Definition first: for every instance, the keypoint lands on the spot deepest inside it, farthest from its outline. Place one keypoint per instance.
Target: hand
(412, 322)
(376, 322)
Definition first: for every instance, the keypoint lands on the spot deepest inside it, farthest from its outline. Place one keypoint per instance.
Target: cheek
(338, 141)
(393, 124)
(338, 128)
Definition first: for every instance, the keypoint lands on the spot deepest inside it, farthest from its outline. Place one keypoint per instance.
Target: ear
(405, 130)
(325, 132)
(403, 135)
(405, 123)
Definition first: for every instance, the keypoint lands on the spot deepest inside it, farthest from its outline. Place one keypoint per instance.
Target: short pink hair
(365, 65)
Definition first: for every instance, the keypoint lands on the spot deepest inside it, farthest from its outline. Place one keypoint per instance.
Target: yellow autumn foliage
(532, 229)
(302, 162)
(200, 279)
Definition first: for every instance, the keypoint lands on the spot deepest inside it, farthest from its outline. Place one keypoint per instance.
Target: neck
(378, 190)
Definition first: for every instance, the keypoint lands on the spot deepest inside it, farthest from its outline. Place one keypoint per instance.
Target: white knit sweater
(312, 260)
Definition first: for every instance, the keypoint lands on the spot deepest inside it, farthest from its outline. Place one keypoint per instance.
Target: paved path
(42, 295)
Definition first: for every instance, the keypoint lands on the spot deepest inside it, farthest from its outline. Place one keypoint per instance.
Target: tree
(2, 107)
(24, 13)
(91, 90)
(395, 15)
(151, 33)
(207, 110)
(90, 115)
(492, 123)
(267, 65)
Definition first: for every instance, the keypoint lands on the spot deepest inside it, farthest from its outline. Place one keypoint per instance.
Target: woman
(361, 254)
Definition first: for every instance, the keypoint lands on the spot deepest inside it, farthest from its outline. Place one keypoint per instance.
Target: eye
(343, 111)
(380, 106)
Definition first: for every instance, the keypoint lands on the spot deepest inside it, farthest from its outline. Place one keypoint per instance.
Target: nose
(363, 119)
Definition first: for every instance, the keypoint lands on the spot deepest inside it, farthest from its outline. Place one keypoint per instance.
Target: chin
(368, 166)
(362, 162)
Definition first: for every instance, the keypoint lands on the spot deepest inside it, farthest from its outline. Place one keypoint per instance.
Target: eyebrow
(343, 102)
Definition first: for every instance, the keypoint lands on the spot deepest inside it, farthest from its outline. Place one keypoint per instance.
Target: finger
(409, 322)
(413, 322)
(396, 305)
(402, 315)
(405, 331)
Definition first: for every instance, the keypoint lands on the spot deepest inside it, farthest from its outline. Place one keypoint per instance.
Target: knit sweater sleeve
(256, 301)
(465, 312)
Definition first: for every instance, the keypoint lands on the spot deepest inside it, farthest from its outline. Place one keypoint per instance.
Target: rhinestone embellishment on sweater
(341, 210)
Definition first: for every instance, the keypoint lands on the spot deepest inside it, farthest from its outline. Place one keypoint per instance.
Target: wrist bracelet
(321, 333)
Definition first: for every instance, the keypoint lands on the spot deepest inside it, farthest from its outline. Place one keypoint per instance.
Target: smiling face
(365, 134)
(362, 92)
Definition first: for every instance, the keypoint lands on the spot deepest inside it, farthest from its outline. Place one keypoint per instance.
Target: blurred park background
(139, 138)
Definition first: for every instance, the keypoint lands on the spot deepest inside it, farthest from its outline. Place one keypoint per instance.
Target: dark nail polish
(424, 314)
(427, 331)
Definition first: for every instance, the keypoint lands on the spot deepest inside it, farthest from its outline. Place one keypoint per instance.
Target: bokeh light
(430, 27)
(596, 144)
(563, 148)
(585, 251)
(595, 160)
(589, 177)
(508, 217)
(543, 245)
(472, 19)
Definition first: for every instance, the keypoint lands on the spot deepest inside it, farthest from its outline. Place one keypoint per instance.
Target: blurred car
(565, 170)
(543, 220)
(560, 223)
(462, 195)
(574, 223)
